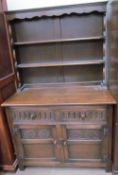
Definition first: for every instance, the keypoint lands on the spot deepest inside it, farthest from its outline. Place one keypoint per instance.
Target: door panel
(41, 150)
(37, 142)
(84, 150)
(85, 142)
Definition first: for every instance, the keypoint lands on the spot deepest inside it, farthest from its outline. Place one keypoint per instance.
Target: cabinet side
(112, 70)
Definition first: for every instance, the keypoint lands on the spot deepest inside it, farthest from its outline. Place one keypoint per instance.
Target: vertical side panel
(7, 88)
(112, 70)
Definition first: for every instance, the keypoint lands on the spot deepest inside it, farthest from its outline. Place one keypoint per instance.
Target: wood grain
(61, 96)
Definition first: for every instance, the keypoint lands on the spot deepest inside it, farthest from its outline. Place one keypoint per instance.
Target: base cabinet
(77, 136)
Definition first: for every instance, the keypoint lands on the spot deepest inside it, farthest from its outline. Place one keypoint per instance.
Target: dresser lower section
(62, 136)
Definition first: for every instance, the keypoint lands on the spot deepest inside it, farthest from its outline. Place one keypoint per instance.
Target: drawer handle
(32, 116)
(65, 143)
(83, 115)
(55, 142)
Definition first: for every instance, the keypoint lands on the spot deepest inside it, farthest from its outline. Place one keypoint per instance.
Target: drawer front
(84, 114)
(33, 115)
(75, 114)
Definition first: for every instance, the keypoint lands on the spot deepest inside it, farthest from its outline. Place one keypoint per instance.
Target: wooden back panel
(58, 52)
(62, 74)
(66, 26)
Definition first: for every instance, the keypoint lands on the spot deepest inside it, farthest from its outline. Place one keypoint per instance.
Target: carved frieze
(92, 116)
(60, 116)
(33, 116)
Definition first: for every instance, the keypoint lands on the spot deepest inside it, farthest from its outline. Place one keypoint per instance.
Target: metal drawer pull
(32, 116)
(55, 142)
(65, 143)
(83, 115)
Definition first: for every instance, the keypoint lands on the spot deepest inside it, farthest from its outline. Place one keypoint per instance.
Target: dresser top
(66, 95)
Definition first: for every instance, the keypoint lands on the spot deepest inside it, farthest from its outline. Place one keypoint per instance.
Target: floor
(58, 171)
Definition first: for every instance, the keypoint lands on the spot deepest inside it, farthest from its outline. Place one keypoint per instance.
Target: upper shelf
(59, 40)
(64, 63)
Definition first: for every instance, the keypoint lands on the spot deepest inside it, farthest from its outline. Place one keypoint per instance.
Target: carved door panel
(37, 144)
(86, 143)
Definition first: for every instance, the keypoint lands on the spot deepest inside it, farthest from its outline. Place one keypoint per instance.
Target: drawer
(33, 114)
(84, 114)
(80, 114)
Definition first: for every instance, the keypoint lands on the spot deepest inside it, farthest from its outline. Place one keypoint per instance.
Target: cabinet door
(37, 145)
(86, 145)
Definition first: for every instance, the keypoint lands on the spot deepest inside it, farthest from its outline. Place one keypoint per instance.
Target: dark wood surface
(59, 40)
(71, 51)
(57, 122)
(56, 64)
(54, 47)
(63, 136)
(61, 95)
(5, 69)
(7, 88)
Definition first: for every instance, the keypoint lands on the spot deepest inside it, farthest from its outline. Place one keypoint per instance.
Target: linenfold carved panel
(84, 116)
(33, 116)
(79, 115)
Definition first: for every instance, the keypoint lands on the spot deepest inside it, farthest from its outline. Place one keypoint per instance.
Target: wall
(26, 4)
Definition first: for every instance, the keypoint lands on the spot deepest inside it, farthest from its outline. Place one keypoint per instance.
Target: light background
(27, 4)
